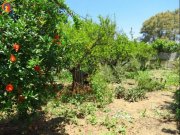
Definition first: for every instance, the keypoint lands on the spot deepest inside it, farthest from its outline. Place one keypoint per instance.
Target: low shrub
(155, 64)
(130, 75)
(135, 94)
(65, 76)
(119, 71)
(73, 99)
(99, 85)
(177, 106)
(107, 73)
(145, 82)
(172, 78)
(132, 95)
(133, 65)
(126, 70)
(88, 109)
(92, 119)
(110, 122)
(176, 65)
(119, 92)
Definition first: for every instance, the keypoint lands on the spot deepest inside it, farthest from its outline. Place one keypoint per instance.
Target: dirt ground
(151, 116)
(157, 118)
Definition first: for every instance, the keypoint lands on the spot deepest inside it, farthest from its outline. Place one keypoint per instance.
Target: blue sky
(128, 13)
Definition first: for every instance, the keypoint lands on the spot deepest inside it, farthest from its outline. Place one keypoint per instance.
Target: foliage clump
(165, 45)
(30, 46)
(161, 25)
(177, 105)
(100, 88)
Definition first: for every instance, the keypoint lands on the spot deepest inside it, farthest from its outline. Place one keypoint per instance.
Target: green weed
(109, 122)
(119, 92)
(92, 119)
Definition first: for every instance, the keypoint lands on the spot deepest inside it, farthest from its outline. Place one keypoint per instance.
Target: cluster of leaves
(165, 45)
(135, 94)
(131, 95)
(147, 83)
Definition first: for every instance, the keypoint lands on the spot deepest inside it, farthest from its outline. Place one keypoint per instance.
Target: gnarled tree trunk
(79, 78)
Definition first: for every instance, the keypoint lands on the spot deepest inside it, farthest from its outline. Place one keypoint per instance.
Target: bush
(120, 92)
(155, 64)
(132, 95)
(110, 122)
(88, 108)
(65, 76)
(135, 94)
(119, 71)
(125, 71)
(165, 45)
(76, 99)
(133, 65)
(131, 75)
(177, 105)
(172, 78)
(145, 82)
(107, 73)
(176, 66)
(100, 89)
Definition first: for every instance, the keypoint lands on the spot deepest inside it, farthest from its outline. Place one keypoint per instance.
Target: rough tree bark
(79, 78)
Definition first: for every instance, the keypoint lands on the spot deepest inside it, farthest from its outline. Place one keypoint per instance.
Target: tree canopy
(162, 25)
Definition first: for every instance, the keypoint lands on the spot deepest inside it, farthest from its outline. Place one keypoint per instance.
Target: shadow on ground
(36, 126)
(170, 106)
(169, 131)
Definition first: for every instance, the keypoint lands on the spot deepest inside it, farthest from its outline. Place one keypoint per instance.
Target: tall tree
(162, 25)
(86, 46)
